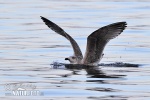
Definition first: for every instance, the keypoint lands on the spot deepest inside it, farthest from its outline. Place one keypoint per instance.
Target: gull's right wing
(57, 29)
(97, 41)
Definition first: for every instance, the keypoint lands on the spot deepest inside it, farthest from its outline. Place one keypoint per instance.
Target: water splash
(57, 65)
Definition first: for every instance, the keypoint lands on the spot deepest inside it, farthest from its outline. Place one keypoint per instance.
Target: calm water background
(28, 47)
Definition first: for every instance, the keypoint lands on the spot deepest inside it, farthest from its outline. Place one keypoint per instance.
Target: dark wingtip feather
(124, 23)
(44, 19)
(50, 24)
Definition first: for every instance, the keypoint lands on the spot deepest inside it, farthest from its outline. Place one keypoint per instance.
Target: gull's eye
(73, 57)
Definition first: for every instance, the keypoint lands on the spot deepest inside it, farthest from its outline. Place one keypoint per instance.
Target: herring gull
(96, 42)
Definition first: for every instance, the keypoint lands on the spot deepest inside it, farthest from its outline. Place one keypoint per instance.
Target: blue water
(28, 47)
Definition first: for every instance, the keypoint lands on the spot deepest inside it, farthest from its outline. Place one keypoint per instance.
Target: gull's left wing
(57, 29)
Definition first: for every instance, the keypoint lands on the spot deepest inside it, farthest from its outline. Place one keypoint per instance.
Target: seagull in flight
(96, 42)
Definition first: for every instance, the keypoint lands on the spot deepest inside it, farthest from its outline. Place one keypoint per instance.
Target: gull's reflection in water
(95, 75)
(92, 71)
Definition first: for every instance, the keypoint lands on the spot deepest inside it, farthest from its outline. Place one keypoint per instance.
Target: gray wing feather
(57, 29)
(97, 41)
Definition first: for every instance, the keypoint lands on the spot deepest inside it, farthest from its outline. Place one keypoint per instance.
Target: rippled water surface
(28, 47)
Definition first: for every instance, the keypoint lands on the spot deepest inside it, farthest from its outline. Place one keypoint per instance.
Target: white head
(72, 59)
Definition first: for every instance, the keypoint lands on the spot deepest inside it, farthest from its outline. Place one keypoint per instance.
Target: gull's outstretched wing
(97, 41)
(57, 29)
